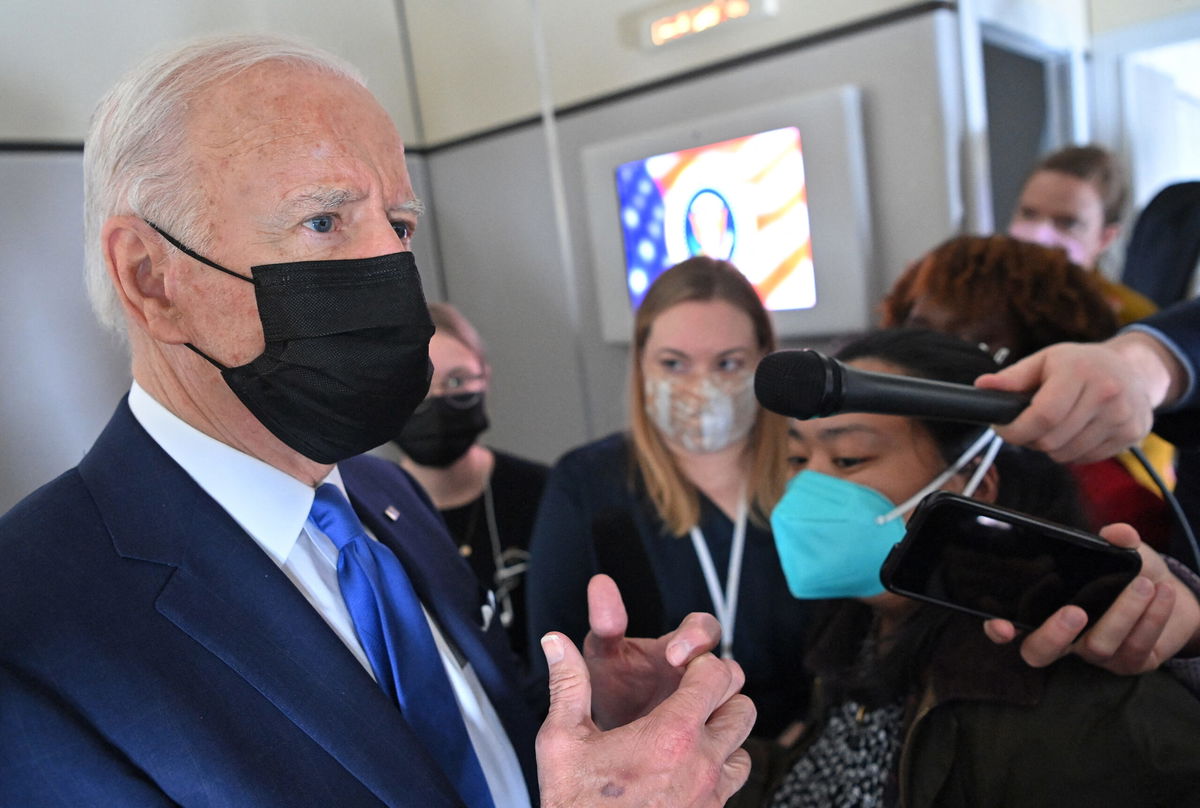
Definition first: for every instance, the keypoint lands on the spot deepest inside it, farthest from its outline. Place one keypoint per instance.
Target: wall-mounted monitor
(778, 189)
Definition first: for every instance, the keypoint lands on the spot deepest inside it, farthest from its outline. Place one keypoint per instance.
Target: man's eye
(320, 224)
(403, 232)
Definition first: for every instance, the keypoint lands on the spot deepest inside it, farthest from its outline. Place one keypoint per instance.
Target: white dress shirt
(272, 507)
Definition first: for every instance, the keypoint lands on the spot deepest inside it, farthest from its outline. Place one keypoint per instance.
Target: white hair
(135, 159)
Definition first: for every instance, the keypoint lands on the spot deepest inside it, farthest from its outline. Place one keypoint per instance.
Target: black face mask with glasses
(443, 428)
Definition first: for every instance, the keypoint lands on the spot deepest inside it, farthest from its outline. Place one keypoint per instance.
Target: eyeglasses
(460, 390)
(456, 382)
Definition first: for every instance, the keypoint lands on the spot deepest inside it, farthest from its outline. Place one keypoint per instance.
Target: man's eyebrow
(321, 199)
(414, 206)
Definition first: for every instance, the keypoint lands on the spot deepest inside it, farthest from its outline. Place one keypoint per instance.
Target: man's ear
(136, 259)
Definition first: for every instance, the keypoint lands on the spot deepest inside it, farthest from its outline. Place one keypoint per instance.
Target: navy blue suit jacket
(152, 654)
(1181, 324)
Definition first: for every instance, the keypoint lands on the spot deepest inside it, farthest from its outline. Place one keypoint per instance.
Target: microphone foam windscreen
(793, 383)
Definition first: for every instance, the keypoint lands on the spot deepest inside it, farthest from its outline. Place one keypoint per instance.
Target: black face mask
(347, 351)
(443, 428)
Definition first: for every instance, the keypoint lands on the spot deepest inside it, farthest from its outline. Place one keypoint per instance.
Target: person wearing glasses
(487, 498)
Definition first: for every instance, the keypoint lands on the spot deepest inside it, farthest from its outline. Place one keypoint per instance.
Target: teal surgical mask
(833, 535)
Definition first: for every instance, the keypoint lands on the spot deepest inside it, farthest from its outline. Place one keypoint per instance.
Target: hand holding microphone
(807, 384)
(1144, 626)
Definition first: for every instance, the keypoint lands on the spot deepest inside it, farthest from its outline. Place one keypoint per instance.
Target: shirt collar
(269, 504)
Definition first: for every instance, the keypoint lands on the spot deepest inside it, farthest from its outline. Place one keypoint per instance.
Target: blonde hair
(450, 322)
(674, 496)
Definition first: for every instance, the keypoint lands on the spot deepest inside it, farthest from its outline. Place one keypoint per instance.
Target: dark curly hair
(1045, 297)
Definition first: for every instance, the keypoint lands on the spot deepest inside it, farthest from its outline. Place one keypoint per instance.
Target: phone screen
(995, 562)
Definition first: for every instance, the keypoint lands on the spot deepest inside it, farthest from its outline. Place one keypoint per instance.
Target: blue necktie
(398, 643)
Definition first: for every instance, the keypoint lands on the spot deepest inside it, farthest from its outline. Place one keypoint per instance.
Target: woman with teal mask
(913, 706)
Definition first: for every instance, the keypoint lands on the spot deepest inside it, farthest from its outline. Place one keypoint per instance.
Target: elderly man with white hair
(223, 604)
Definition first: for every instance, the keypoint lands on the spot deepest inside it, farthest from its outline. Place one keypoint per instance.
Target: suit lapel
(228, 596)
(388, 502)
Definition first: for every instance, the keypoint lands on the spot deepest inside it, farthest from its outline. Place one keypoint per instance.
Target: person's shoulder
(46, 509)
(1130, 305)
(372, 465)
(520, 467)
(606, 451)
(596, 471)
(377, 472)
(49, 541)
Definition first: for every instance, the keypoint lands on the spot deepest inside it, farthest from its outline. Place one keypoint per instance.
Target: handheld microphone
(808, 384)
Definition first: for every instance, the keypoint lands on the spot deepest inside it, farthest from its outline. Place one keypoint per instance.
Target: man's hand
(631, 676)
(685, 752)
(1152, 620)
(1089, 401)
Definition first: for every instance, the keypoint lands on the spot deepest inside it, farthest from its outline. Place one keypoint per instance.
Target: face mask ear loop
(986, 463)
(203, 355)
(179, 246)
(966, 457)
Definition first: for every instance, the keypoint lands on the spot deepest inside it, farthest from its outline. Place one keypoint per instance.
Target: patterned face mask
(704, 416)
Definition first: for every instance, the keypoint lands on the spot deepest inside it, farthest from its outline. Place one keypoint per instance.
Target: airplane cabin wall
(461, 83)
(498, 244)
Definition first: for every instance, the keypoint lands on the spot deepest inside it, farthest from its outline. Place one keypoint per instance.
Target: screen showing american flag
(742, 200)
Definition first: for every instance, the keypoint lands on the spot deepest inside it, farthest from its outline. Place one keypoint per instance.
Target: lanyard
(725, 604)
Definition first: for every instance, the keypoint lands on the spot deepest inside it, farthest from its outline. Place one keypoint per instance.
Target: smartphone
(995, 562)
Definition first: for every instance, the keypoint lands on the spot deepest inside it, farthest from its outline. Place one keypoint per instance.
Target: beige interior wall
(476, 68)
(57, 57)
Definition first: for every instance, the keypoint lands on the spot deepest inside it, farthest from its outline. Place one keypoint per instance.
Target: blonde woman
(676, 508)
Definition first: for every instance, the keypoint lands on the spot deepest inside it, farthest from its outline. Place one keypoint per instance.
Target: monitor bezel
(831, 137)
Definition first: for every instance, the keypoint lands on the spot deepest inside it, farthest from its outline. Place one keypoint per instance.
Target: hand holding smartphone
(994, 562)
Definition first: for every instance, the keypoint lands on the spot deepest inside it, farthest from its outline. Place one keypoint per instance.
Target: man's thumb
(570, 684)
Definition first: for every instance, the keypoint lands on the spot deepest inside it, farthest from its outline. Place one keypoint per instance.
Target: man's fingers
(1019, 377)
(730, 723)
(705, 686)
(1044, 412)
(698, 634)
(1052, 640)
(728, 729)
(737, 679)
(606, 614)
(734, 774)
(570, 685)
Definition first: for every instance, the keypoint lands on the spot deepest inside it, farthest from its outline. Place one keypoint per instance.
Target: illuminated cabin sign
(675, 26)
